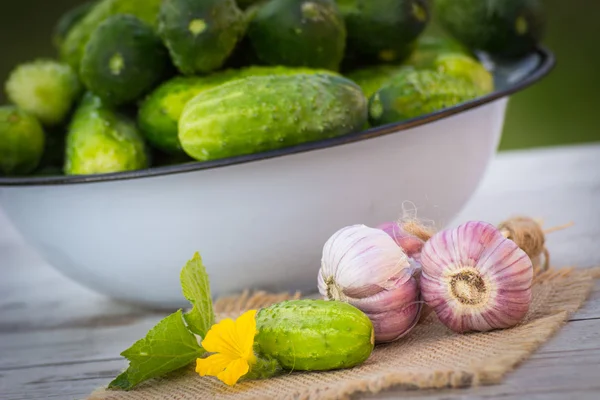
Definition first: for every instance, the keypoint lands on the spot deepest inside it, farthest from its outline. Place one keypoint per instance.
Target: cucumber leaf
(167, 347)
(196, 288)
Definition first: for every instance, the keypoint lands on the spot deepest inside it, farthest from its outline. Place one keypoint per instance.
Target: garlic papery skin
(475, 279)
(411, 245)
(365, 267)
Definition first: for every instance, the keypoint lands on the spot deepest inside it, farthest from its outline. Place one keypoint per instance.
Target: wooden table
(59, 340)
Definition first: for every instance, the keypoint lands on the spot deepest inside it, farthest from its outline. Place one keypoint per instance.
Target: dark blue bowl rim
(546, 64)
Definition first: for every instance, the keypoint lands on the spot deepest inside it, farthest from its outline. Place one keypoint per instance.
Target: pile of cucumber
(143, 83)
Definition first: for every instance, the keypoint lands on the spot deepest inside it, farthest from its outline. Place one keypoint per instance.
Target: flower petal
(213, 365)
(222, 338)
(245, 327)
(234, 372)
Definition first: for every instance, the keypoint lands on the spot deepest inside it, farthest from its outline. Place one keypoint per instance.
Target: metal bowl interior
(509, 77)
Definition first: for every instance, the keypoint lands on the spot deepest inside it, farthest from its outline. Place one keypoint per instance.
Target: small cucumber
(262, 113)
(22, 141)
(123, 60)
(504, 28)
(73, 45)
(200, 35)
(414, 93)
(100, 140)
(160, 112)
(314, 335)
(383, 30)
(44, 88)
(309, 33)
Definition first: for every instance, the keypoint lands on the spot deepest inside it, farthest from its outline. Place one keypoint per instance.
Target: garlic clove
(411, 245)
(475, 279)
(362, 261)
(399, 297)
(395, 324)
(393, 312)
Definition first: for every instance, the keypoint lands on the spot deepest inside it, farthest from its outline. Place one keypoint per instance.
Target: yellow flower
(232, 342)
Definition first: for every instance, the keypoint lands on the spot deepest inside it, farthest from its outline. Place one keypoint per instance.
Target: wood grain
(60, 340)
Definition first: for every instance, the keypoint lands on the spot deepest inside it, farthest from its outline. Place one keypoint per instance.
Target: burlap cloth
(431, 356)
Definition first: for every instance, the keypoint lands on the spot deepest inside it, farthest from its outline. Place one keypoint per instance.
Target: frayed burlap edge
(574, 286)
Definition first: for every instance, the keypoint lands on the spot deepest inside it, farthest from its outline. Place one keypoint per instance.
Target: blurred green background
(562, 109)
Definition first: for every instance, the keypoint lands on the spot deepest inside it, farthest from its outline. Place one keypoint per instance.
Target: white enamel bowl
(259, 221)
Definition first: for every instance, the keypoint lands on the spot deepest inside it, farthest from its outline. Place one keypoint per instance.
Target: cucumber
(68, 20)
(314, 335)
(22, 141)
(308, 33)
(418, 92)
(123, 60)
(100, 140)
(262, 113)
(45, 88)
(464, 67)
(159, 113)
(383, 30)
(503, 28)
(73, 46)
(200, 35)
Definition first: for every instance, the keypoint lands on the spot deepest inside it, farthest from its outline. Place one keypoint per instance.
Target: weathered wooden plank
(591, 309)
(26, 349)
(69, 381)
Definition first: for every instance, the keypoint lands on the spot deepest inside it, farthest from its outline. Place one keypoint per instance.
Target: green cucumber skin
(308, 33)
(73, 46)
(314, 335)
(464, 67)
(418, 92)
(222, 26)
(264, 113)
(429, 47)
(144, 60)
(100, 140)
(493, 25)
(383, 30)
(44, 88)
(371, 79)
(161, 110)
(22, 141)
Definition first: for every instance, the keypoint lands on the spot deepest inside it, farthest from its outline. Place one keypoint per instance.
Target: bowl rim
(546, 64)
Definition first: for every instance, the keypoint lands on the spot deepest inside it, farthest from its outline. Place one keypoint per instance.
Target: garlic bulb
(364, 267)
(475, 279)
(411, 245)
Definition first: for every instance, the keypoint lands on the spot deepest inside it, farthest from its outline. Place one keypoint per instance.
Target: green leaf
(196, 288)
(167, 347)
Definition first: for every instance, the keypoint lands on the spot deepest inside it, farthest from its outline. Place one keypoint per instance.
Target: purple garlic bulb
(366, 268)
(475, 279)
